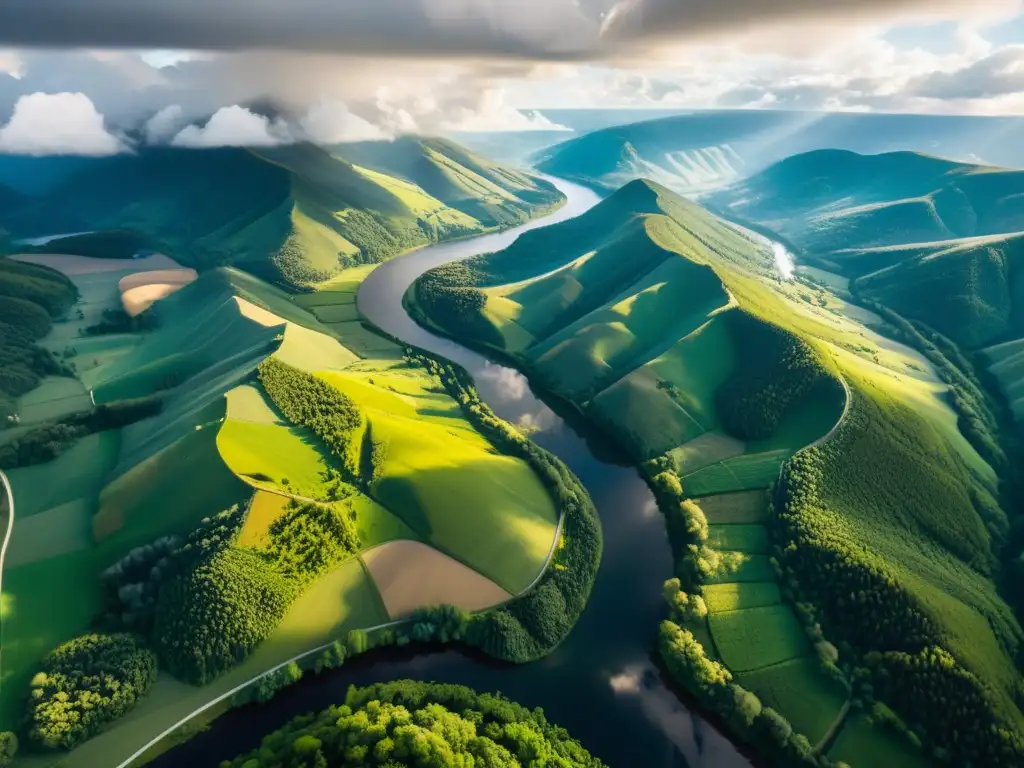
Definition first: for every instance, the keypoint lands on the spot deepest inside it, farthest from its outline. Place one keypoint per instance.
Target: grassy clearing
(810, 699)
(863, 743)
(753, 638)
(751, 539)
(733, 508)
(737, 596)
(275, 457)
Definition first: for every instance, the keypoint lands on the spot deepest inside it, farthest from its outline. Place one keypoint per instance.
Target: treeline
(84, 684)
(310, 402)
(102, 244)
(775, 371)
(47, 442)
(31, 296)
(448, 297)
(864, 604)
(532, 625)
(429, 725)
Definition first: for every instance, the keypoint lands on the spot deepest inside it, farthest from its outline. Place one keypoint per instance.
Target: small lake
(600, 683)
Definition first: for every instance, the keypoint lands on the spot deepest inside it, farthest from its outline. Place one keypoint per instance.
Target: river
(600, 683)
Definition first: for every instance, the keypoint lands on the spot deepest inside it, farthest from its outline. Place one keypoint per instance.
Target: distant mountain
(698, 152)
(295, 214)
(934, 239)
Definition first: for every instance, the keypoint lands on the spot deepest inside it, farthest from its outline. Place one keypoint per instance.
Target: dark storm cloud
(543, 29)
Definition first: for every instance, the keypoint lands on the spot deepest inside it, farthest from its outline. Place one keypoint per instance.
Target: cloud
(165, 124)
(331, 122)
(57, 124)
(536, 29)
(998, 74)
(233, 126)
(491, 113)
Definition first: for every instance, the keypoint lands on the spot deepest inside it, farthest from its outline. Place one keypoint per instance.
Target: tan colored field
(258, 314)
(141, 289)
(409, 575)
(83, 265)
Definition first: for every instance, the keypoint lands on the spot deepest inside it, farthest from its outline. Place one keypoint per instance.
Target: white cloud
(57, 124)
(165, 124)
(330, 122)
(492, 113)
(233, 126)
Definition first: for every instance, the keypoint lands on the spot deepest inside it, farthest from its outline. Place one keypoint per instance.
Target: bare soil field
(410, 574)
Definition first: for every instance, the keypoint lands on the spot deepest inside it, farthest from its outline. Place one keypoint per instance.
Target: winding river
(600, 683)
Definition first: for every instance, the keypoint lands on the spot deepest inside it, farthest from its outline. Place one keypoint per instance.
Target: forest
(31, 297)
(409, 723)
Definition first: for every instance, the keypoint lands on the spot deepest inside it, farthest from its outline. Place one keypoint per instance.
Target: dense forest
(407, 723)
(310, 402)
(31, 296)
(866, 605)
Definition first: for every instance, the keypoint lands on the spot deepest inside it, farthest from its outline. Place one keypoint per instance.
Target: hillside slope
(701, 151)
(669, 327)
(295, 214)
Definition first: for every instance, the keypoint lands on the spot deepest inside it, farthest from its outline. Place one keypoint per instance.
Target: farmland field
(736, 596)
(752, 638)
(860, 742)
(752, 539)
(810, 699)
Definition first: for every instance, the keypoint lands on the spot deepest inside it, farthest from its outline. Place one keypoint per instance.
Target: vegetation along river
(600, 683)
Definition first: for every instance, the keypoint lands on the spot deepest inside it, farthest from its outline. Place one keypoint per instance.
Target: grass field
(742, 473)
(752, 638)
(809, 698)
(749, 538)
(742, 568)
(733, 508)
(446, 482)
(862, 743)
(737, 596)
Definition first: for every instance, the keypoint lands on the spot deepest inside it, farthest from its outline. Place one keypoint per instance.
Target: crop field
(862, 743)
(810, 699)
(749, 538)
(276, 457)
(375, 523)
(753, 638)
(410, 575)
(742, 473)
(737, 596)
(709, 448)
(733, 508)
(264, 509)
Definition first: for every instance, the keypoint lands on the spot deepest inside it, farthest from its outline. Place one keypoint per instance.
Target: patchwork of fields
(219, 439)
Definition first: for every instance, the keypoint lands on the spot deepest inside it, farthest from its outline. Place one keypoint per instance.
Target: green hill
(700, 151)
(296, 214)
(669, 328)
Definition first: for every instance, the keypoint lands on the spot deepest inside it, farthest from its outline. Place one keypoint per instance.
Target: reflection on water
(599, 683)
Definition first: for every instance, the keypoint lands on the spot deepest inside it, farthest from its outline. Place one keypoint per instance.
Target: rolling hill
(701, 151)
(295, 214)
(668, 327)
(937, 241)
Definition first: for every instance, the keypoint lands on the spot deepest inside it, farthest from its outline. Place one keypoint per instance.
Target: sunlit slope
(700, 151)
(295, 213)
(742, 371)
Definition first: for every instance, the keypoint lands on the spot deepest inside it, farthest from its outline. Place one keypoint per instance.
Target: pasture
(749, 538)
(740, 595)
(809, 698)
(752, 638)
(740, 507)
(741, 473)
(864, 743)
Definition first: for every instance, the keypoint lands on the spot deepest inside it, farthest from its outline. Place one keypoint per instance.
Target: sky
(103, 76)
